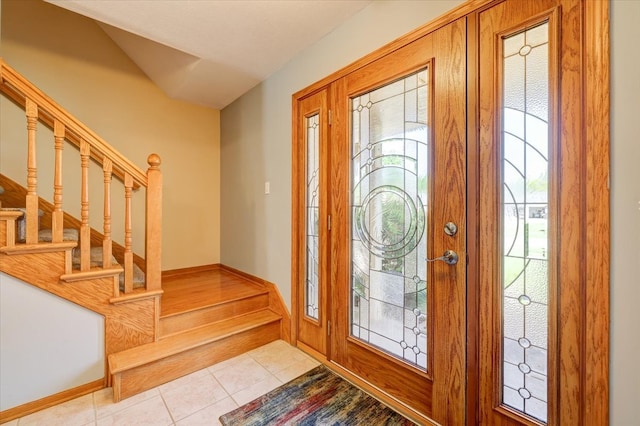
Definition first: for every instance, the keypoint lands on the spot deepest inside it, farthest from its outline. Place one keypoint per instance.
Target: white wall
(256, 147)
(625, 212)
(47, 344)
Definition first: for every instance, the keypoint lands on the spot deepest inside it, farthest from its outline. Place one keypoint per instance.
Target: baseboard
(50, 401)
(276, 302)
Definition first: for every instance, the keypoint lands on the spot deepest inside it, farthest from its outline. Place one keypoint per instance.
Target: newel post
(154, 223)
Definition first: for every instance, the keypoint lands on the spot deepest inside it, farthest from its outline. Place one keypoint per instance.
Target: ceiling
(210, 52)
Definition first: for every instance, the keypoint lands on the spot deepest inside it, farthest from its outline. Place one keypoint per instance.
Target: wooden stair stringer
(147, 366)
(126, 324)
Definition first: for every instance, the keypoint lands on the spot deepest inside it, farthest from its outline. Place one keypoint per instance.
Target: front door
(398, 199)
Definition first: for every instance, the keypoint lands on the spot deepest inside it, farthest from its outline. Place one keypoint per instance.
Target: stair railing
(66, 128)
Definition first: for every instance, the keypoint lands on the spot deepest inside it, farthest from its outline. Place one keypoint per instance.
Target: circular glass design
(524, 368)
(524, 342)
(524, 300)
(524, 392)
(378, 236)
(525, 50)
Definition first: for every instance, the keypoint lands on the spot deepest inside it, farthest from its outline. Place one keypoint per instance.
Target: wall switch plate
(267, 188)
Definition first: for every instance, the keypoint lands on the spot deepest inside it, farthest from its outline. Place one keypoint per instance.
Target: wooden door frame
(584, 382)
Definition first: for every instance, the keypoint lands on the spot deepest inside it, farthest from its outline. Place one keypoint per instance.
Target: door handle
(449, 257)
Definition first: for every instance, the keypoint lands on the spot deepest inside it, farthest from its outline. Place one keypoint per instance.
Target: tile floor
(197, 399)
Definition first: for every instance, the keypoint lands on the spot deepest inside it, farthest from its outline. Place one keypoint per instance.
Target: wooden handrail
(16, 87)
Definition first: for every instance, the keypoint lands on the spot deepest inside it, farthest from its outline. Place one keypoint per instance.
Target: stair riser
(131, 382)
(187, 320)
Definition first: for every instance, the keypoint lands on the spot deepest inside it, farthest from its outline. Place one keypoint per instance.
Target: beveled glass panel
(312, 205)
(388, 217)
(525, 228)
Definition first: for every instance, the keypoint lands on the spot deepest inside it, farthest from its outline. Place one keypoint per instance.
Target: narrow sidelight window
(313, 206)
(525, 148)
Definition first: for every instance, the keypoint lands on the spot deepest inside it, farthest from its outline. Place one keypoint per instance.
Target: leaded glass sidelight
(525, 227)
(312, 204)
(388, 202)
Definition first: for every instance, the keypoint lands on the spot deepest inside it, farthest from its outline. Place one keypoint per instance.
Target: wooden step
(181, 321)
(144, 367)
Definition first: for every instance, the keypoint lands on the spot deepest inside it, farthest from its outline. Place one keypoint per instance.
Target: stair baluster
(57, 216)
(31, 109)
(107, 168)
(85, 229)
(128, 252)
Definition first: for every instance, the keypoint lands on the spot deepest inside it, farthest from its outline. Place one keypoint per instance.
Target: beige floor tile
(103, 400)
(151, 412)
(277, 356)
(296, 369)
(255, 390)
(241, 375)
(192, 393)
(11, 423)
(208, 416)
(276, 345)
(79, 411)
(183, 381)
(229, 363)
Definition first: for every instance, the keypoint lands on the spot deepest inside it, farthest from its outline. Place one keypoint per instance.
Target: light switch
(267, 188)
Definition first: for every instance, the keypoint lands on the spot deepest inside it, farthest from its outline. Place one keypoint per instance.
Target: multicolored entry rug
(318, 397)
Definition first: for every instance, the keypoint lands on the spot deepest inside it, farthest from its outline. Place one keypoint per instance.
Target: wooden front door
(397, 198)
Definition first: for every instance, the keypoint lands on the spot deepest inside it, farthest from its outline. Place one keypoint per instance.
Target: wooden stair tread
(214, 303)
(171, 345)
(191, 291)
(91, 274)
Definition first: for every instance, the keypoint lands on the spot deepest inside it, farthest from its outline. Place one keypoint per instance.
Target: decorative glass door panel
(311, 294)
(525, 226)
(389, 177)
(398, 177)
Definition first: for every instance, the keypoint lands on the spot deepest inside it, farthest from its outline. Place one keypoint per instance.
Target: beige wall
(71, 59)
(625, 212)
(256, 140)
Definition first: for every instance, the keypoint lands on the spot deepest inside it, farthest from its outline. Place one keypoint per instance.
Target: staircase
(207, 317)
(158, 326)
